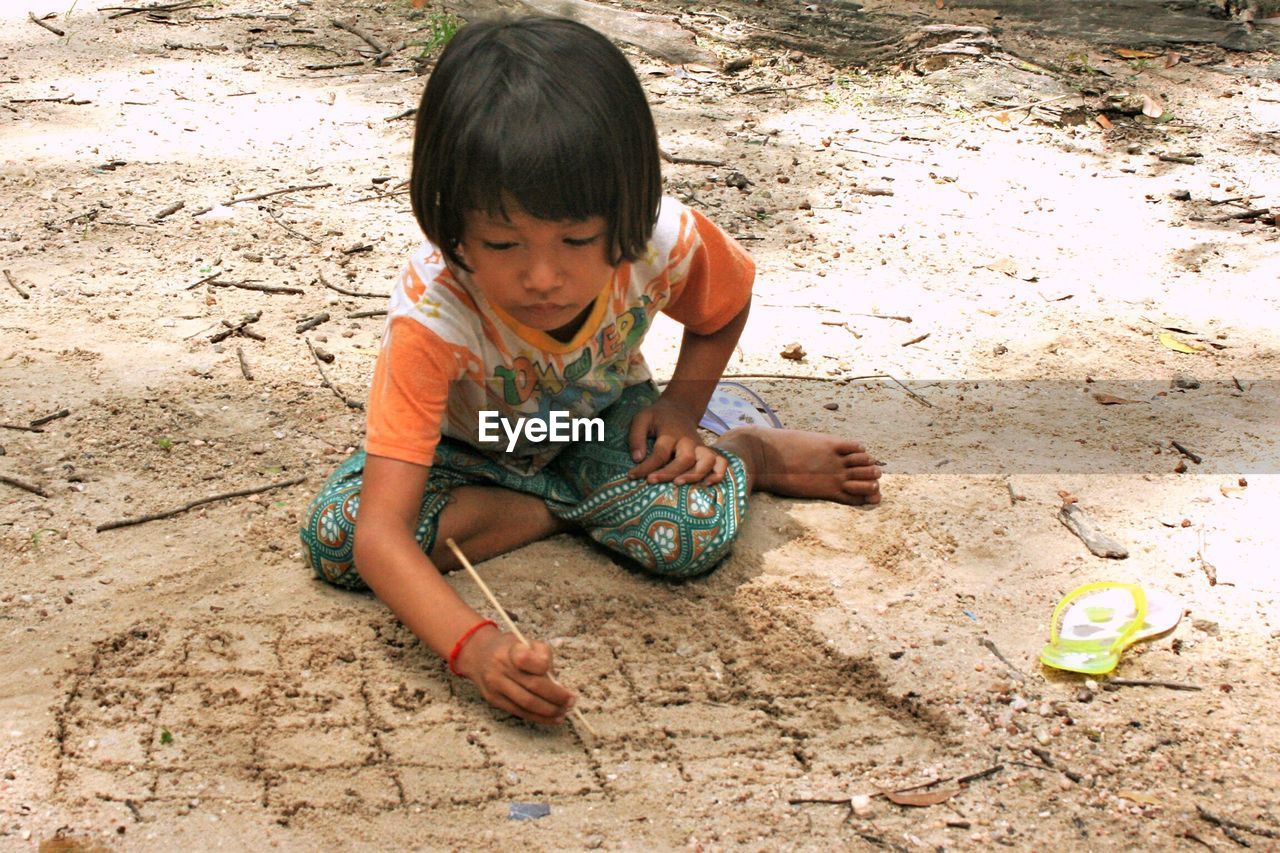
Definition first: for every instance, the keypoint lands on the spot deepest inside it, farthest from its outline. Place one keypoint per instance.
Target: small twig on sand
(1014, 497)
(1191, 836)
(901, 317)
(155, 516)
(48, 26)
(168, 211)
(277, 192)
(1234, 824)
(161, 8)
(916, 340)
(1209, 569)
(1014, 109)
(358, 315)
(24, 485)
(912, 394)
(329, 66)
(205, 210)
(351, 404)
(395, 48)
(311, 322)
(239, 327)
(204, 280)
(261, 288)
(688, 161)
(244, 364)
(412, 111)
(991, 647)
(781, 376)
(1187, 453)
(1099, 544)
(870, 191)
(1140, 682)
(1047, 758)
(346, 292)
(363, 36)
(14, 284)
(981, 774)
(53, 416)
(275, 217)
(21, 427)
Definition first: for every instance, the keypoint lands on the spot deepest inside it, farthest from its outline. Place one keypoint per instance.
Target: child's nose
(543, 274)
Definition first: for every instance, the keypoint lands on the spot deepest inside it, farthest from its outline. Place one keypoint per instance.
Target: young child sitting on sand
(536, 179)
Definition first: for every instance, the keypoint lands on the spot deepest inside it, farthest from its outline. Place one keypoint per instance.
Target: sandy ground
(184, 683)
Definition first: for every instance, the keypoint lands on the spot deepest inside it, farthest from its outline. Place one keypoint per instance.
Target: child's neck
(565, 333)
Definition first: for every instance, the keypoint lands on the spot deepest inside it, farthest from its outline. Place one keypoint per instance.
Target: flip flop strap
(756, 400)
(1139, 600)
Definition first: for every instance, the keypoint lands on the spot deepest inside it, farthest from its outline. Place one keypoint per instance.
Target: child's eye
(581, 241)
(496, 247)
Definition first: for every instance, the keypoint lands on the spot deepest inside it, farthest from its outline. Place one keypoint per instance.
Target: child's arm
(678, 454)
(509, 674)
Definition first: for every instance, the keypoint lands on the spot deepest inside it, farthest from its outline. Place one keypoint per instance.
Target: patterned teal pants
(672, 531)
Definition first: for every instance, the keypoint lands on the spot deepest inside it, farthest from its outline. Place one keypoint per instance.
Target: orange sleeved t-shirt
(448, 354)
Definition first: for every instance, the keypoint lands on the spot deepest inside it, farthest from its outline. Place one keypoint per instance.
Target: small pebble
(831, 407)
(1208, 626)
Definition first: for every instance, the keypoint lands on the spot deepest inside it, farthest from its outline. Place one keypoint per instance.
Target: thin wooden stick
(346, 292)
(511, 626)
(1112, 683)
(53, 416)
(128, 522)
(21, 292)
(48, 26)
(244, 364)
(328, 383)
(24, 485)
(363, 36)
(250, 284)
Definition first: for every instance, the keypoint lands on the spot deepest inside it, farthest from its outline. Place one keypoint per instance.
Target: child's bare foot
(806, 464)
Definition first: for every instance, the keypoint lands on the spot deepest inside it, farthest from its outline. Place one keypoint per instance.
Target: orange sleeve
(718, 282)
(409, 393)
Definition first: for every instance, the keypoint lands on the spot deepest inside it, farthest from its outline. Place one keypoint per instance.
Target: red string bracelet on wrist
(457, 647)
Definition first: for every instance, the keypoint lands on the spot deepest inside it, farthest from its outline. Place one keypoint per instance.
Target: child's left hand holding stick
(510, 674)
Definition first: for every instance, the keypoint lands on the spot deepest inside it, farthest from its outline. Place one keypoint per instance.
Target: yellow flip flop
(1094, 624)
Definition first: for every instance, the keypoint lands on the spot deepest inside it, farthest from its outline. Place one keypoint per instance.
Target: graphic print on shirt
(448, 353)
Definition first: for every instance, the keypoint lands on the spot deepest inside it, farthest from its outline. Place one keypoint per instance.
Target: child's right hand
(515, 677)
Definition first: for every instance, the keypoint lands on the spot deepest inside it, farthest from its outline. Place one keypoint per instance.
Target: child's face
(543, 273)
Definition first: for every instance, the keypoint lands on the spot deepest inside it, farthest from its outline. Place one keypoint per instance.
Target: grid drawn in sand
(339, 713)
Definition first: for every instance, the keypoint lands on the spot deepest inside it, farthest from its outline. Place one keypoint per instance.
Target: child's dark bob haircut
(542, 111)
